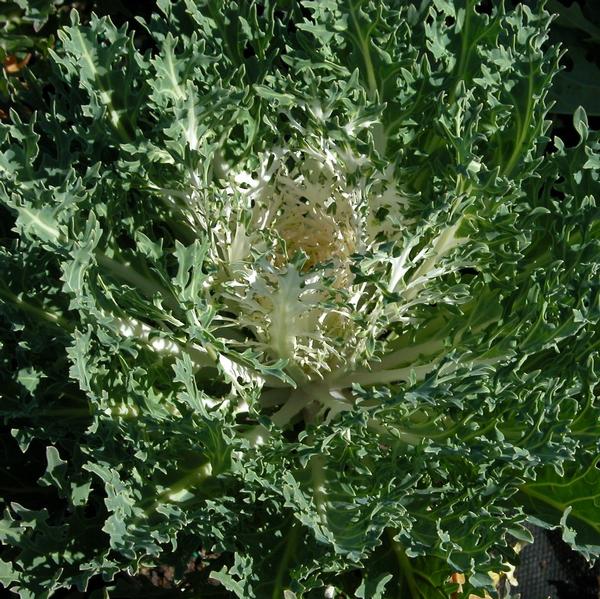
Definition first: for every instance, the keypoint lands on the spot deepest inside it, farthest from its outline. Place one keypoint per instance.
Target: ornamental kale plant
(308, 289)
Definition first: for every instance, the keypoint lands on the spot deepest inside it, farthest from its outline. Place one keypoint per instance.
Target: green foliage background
(106, 443)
